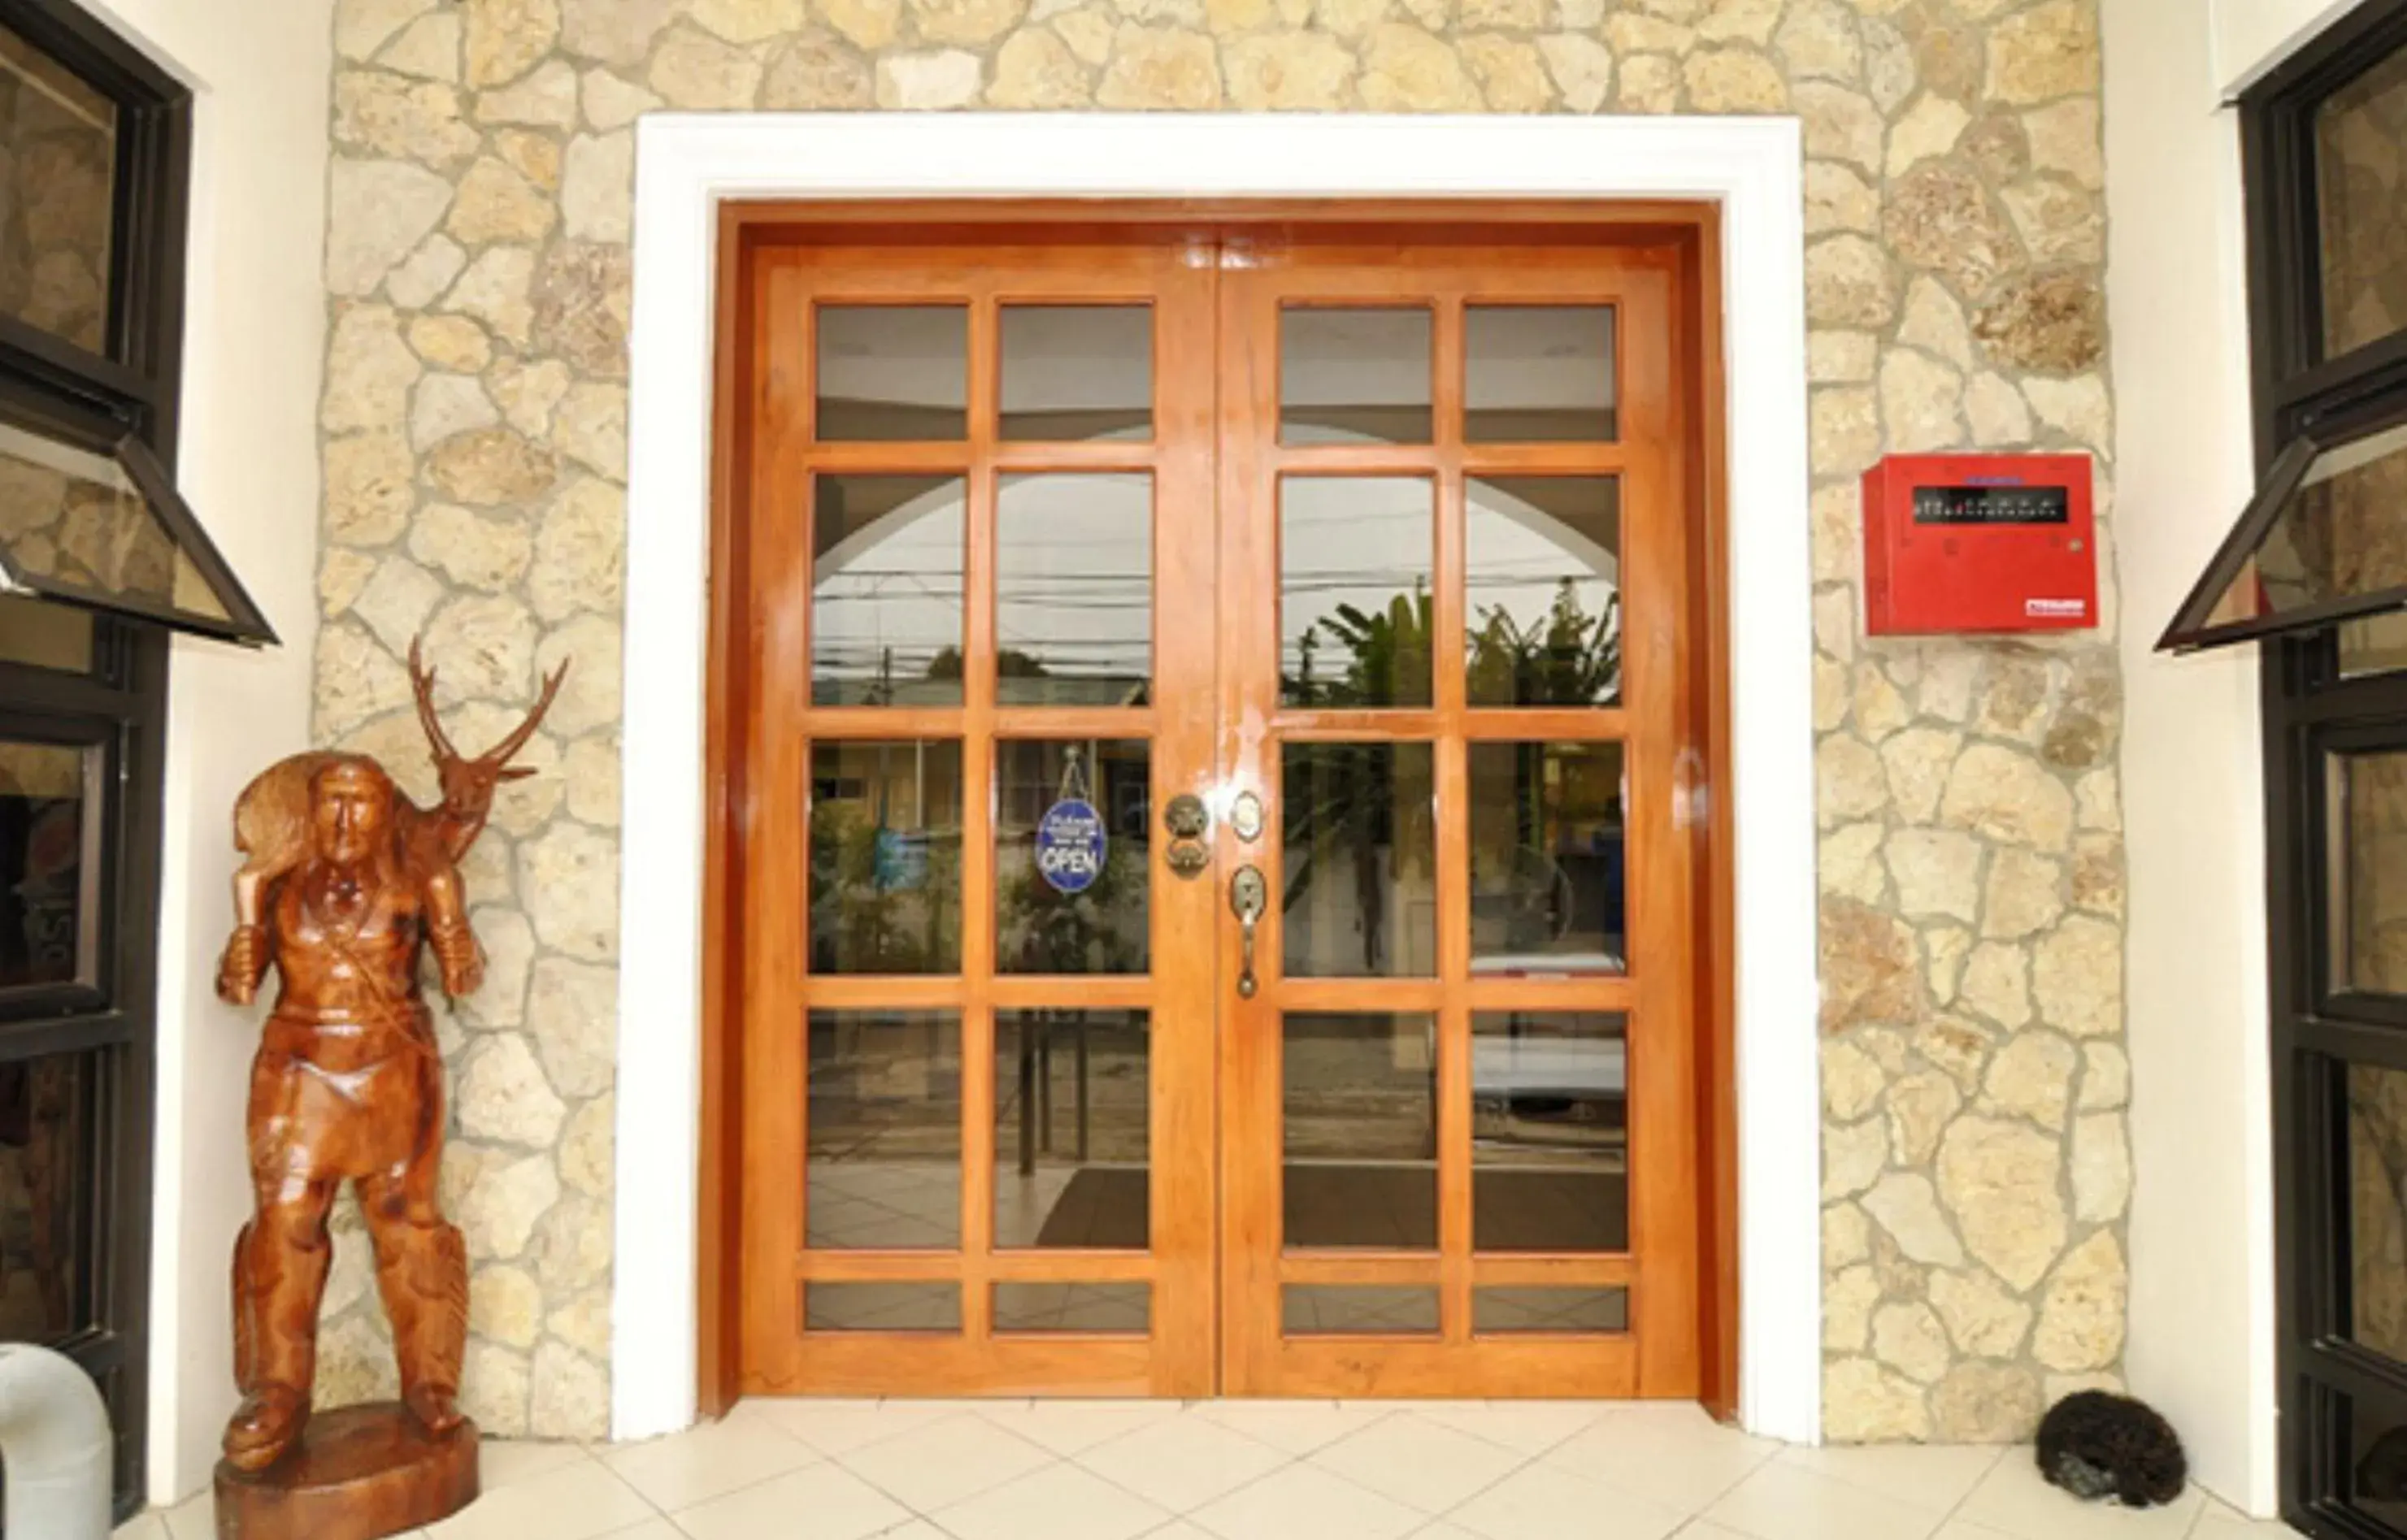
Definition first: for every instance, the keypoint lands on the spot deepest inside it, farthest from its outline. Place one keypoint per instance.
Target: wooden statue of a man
(347, 880)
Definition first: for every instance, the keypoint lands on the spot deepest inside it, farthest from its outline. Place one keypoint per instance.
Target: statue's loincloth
(336, 1099)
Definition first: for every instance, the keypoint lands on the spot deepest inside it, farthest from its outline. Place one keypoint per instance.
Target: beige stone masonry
(1976, 1170)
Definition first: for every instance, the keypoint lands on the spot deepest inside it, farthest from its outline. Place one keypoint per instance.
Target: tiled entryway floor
(1235, 1470)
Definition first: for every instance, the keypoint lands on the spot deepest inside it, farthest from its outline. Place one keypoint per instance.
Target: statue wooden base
(360, 1473)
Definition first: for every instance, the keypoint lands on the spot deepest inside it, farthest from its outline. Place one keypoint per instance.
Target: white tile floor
(1235, 1470)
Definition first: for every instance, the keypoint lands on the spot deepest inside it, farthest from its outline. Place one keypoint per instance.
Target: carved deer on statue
(468, 785)
(271, 819)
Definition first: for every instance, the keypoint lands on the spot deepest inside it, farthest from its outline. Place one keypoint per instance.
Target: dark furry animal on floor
(2095, 1445)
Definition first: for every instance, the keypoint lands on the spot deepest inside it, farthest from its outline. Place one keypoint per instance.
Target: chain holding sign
(1071, 842)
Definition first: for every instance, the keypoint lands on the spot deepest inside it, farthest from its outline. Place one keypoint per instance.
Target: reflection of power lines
(1087, 587)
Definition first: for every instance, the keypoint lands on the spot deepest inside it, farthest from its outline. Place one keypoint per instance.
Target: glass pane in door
(886, 554)
(1358, 1309)
(1124, 1309)
(1543, 599)
(1355, 555)
(1360, 1139)
(882, 1308)
(893, 372)
(1548, 854)
(1072, 1122)
(1361, 858)
(1538, 373)
(1550, 1131)
(884, 1153)
(1355, 375)
(885, 856)
(1073, 584)
(1072, 372)
(1495, 1311)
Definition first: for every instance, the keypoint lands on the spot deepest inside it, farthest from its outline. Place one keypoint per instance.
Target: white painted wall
(2253, 36)
(2202, 1221)
(254, 339)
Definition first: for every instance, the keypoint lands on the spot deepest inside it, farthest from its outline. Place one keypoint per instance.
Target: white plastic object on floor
(55, 1440)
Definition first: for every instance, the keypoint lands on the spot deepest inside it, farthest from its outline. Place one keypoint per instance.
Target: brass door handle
(1248, 896)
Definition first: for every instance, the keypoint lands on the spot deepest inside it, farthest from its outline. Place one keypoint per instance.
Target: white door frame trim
(687, 164)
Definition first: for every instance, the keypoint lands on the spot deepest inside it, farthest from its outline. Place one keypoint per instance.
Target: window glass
(884, 1167)
(2371, 1463)
(893, 373)
(109, 531)
(48, 1193)
(1072, 830)
(2377, 1212)
(2322, 529)
(1535, 372)
(886, 590)
(882, 1308)
(1359, 1130)
(2361, 196)
(1355, 375)
(49, 864)
(1539, 1310)
(1348, 1310)
(2374, 644)
(885, 856)
(2367, 925)
(57, 176)
(1073, 1307)
(1355, 554)
(1073, 1110)
(1361, 858)
(1550, 1129)
(1073, 591)
(45, 635)
(1542, 593)
(1547, 860)
(1077, 372)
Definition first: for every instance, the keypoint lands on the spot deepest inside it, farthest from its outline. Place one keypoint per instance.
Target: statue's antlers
(495, 761)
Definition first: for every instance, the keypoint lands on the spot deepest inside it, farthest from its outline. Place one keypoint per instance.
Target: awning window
(2324, 539)
(107, 531)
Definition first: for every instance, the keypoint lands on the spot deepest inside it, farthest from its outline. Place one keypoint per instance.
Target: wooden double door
(1211, 717)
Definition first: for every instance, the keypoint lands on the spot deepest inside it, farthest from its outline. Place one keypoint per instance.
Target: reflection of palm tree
(1342, 797)
(1573, 659)
(1387, 656)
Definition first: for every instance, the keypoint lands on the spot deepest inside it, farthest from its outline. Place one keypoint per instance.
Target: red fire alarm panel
(1979, 542)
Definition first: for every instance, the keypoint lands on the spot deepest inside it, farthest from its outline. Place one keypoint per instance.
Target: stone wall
(1976, 1173)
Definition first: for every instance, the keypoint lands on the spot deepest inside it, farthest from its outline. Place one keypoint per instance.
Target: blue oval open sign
(1070, 846)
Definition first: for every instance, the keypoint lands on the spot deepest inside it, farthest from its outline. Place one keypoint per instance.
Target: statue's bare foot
(434, 1407)
(268, 1423)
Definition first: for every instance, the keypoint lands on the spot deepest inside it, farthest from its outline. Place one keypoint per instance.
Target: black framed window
(99, 557)
(2316, 570)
